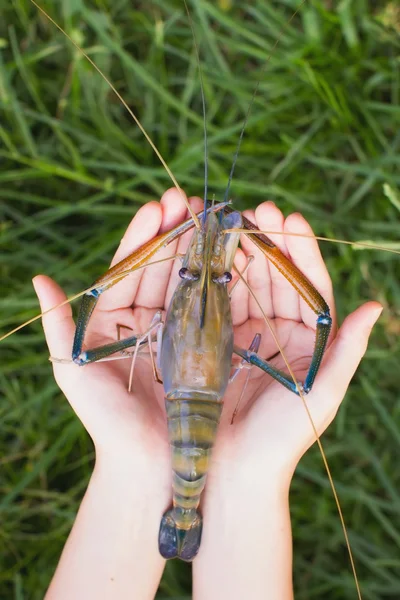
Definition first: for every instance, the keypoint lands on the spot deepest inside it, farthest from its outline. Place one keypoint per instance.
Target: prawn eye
(224, 278)
(184, 273)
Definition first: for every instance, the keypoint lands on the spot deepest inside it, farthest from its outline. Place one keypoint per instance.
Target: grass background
(323, 139)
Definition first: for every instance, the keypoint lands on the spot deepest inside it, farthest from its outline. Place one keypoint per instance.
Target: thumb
(58, 325)
(344, 356)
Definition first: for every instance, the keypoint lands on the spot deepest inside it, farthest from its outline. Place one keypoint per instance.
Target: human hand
(123, 426)
(272, 429)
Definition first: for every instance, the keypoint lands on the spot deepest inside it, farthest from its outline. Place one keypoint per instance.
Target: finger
(154, 282)
(196, 204)
(58, 325)
(284, 297)
(306, 255)
(143, 227)
(240, 296)
(342, 360)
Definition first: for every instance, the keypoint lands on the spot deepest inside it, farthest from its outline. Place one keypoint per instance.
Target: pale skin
(246, 549)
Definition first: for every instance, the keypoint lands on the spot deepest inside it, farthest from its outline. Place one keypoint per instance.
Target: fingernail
(374, 316)
(34, 282)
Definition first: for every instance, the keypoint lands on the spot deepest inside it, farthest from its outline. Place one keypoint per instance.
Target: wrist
(246, 532)
(133, 476)
(228, 499)
(239, 479)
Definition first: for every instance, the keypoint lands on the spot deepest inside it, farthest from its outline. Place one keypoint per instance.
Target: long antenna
(366, 245)
(249, 108)
(203, 100)
(130, 111)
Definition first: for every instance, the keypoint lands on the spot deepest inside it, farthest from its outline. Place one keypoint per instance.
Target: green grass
(323, 139)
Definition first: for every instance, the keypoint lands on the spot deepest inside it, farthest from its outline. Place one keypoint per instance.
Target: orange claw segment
(142, 255)
(134, 260)
(295, 277)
